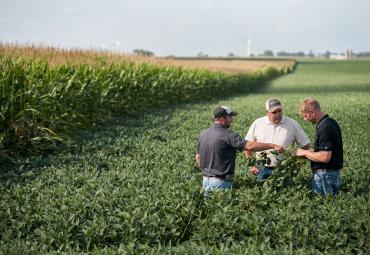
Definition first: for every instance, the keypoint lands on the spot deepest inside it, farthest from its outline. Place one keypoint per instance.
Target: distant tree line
(145, 53)
(326, 54)
(266, 53)
(270, 53)
(364, 54)
(291, 54)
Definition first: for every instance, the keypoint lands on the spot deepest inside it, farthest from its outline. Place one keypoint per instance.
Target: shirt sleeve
(300, 136)
(236, 141)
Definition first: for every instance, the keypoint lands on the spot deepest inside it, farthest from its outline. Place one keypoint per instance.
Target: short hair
(310, 104)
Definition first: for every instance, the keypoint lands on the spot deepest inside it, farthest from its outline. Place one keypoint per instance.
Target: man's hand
(197, 158)
(248, 154)
(300, 153)
(316, 156)
(253, 170)
(278, 148)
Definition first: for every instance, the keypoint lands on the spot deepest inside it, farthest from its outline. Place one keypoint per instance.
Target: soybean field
(131, 185)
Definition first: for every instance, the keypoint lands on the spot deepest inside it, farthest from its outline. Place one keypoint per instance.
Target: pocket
(332, 178)
(318, 179)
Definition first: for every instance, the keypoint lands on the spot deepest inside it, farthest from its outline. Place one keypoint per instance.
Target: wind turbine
(249, 42)
(117, 44)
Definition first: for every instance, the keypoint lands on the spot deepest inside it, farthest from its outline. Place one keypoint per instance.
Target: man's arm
(319, 156)
(256, 146)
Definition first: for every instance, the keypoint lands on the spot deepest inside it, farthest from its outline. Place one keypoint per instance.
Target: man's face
(308, 116)
(228, 120)
(275, 116)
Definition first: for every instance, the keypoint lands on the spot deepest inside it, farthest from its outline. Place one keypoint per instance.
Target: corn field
(44, 96)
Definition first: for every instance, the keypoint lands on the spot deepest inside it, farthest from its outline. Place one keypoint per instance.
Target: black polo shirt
(329, 138)
(217, 148)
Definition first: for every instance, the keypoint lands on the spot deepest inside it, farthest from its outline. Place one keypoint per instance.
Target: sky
(189, 27)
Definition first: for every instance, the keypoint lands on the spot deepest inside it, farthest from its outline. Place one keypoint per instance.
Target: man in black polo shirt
(327, 156)
(216, 150)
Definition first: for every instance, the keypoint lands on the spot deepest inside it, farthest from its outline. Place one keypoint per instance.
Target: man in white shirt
(274, 128)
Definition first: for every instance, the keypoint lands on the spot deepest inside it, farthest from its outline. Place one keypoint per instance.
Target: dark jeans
(325, 183)
(264, 172)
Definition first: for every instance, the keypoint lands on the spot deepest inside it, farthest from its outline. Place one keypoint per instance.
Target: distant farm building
(347, 55)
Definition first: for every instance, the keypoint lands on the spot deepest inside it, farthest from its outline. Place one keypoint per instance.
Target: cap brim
(274, 108)
(233, 114)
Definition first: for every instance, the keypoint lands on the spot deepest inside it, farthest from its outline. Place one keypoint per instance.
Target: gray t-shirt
(217, 150)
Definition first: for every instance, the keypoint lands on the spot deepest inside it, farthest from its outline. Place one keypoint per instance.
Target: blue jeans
(212, 183)
(263, 173)
(326, 183)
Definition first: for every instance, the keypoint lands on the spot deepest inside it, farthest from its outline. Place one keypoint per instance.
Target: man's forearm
(256, 146)
(319, 156)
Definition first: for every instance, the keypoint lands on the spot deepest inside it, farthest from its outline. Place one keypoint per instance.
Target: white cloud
(320, 23)
(207, 6)
(295, 2)
(281, 28)
(134, 6)
(70, 9)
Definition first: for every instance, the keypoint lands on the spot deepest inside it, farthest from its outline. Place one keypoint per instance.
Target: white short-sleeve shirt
(286, 133)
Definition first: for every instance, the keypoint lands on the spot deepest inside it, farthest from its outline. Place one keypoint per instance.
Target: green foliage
(285, 172)
(39, 102)
(131, 186)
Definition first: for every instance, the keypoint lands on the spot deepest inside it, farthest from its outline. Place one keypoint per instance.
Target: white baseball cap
(272, 104)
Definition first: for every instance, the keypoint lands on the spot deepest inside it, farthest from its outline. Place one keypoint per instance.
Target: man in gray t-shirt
(216, 150)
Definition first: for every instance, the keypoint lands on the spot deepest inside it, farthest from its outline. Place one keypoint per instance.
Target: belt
(324, 170)
(269, 167)
(221, 177)
(227, 177)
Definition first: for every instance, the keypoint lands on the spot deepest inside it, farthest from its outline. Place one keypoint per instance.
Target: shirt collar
(281, 122)
(321, 121)
(218, 125)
